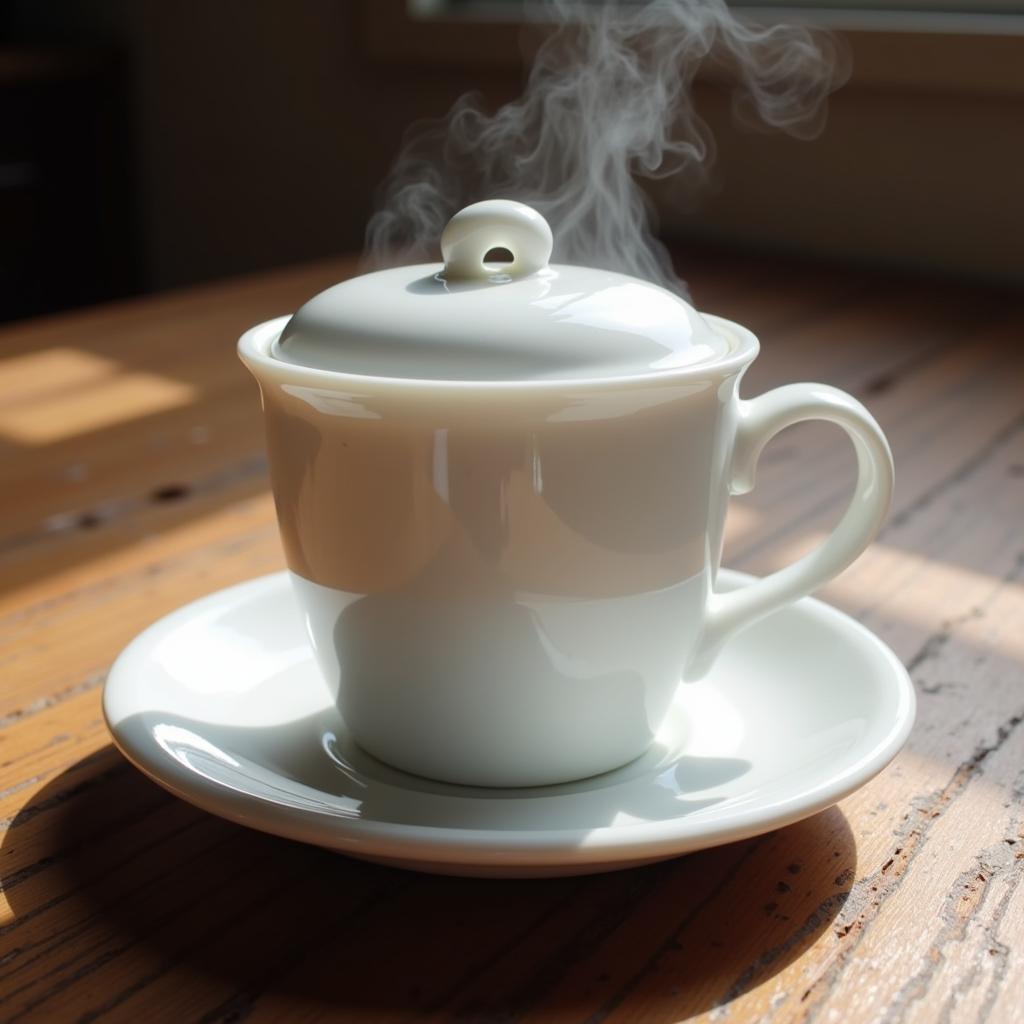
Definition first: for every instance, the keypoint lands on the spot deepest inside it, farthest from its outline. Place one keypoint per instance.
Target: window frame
(920, 51)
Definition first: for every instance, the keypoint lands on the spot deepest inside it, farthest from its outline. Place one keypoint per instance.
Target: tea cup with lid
(501, 490)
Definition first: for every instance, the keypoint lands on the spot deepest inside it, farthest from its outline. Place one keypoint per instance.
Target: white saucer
(221, 703)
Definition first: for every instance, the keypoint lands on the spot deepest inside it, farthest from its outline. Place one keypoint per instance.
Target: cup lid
(473, 318)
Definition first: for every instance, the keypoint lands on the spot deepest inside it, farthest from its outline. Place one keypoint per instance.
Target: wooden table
(133, 480)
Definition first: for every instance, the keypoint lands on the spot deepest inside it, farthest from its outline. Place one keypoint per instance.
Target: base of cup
(524, 692)
(494, 777)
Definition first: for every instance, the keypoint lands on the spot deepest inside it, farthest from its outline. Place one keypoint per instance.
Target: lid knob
(495, 224)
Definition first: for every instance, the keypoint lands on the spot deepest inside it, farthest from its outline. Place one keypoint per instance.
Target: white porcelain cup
(506, 581)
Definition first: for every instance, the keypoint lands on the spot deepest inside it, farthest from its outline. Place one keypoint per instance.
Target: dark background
(148, 145)
(157, 144)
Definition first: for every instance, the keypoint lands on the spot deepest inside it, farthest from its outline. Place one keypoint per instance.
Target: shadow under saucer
(125, 899)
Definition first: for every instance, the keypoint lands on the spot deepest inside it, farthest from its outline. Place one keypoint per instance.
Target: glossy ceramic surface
(221, 703)
(544, 551)
(502, 495)
(524, 320)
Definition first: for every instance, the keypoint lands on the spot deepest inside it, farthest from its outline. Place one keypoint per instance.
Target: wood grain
(132, 479)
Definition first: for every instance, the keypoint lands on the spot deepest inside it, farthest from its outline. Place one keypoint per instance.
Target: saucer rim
(420, 844)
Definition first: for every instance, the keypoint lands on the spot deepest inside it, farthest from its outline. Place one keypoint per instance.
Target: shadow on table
(127, 899)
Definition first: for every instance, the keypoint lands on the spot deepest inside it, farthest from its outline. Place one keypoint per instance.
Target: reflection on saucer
(800, 710)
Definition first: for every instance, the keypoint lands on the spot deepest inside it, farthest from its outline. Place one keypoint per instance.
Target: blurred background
(150, 145)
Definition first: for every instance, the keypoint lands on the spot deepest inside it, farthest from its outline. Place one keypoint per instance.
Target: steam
(609, 99)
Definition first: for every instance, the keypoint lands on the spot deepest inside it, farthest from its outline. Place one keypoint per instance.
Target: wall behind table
(260, 127)
(924, 181)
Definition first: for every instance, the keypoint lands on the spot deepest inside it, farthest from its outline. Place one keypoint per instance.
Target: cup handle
(760, 419)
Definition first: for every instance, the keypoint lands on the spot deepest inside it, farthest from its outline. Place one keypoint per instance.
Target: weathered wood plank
(903, 904)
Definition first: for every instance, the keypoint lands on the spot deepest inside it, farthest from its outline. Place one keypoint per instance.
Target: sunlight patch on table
(26, 378)
(92, 405)
(924, 591)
